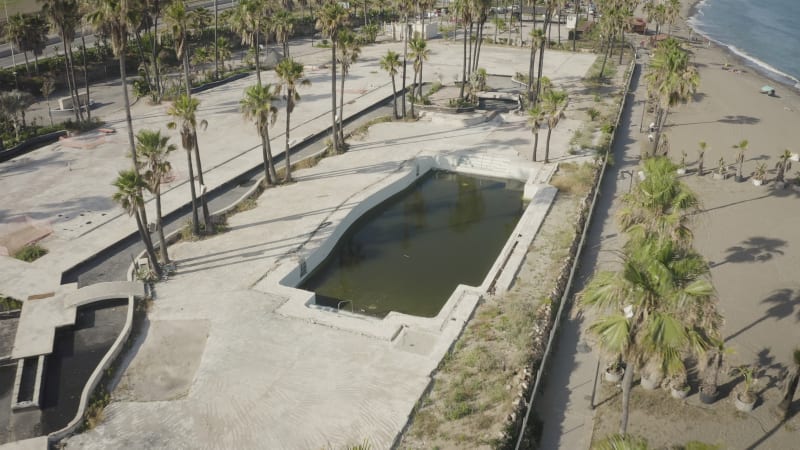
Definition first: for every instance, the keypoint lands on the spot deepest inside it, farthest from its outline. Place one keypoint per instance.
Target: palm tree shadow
(784, 303)
(753, 249)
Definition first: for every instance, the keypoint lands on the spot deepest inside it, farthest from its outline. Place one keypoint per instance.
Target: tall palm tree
(153, 151)
(390, 63)
(17, 33)
(535, 121)
(257, 105)
(419, 53)
(129, 186)
(481, 12)
(548, 14)
(672, 11)
(349, 50)
(660, 204)
(179, 19)
(184, 118)
(463, 9)
(37, 37)
(291, 76)
(282, 23)
(247, 21)
(13, 104)
(537, 42)
(330, 20)
(113, 16)
(553, 103)
(670, 79)
(657, 307)
(64, 17)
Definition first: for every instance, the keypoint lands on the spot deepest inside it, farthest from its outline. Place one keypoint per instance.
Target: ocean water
(766, 33)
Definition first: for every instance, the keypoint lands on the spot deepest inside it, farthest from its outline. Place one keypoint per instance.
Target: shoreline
(770, 75)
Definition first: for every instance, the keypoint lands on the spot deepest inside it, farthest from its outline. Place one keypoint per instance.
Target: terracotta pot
(757, 182)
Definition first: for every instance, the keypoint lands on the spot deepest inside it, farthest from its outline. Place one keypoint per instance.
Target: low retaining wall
(31, 144)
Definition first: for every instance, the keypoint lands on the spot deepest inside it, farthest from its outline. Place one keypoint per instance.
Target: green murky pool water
(409, 253)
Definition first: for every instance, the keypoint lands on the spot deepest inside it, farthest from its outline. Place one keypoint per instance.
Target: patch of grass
(94, 411)
(593, 114)
(362, 130)
(246, 205)
(573, 178)
(30, 252)
(9, 303)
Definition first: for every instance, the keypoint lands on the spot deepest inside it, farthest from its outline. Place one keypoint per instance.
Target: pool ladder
(339, 305)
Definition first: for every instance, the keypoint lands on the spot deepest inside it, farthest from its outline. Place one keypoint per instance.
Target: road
(54, 45)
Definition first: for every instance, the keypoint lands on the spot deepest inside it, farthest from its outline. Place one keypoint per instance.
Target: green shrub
(30, 253)
(9, 303)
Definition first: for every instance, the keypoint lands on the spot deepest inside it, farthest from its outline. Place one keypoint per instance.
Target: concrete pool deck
(245, 376)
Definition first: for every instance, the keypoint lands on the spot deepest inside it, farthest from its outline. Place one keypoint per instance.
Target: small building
(638, 25)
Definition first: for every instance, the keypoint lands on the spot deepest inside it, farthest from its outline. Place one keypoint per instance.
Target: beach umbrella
(766, 89)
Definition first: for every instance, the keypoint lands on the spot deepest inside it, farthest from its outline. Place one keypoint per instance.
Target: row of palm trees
(659, 308)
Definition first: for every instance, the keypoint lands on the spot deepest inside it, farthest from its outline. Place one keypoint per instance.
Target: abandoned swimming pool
(409, 253)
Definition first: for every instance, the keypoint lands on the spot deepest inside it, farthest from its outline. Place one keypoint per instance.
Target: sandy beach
(749, 236)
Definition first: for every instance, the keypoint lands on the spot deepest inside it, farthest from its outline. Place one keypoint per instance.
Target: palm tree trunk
(605, 57)
(140, 48)
(216, 47)
(532, 68)
(413, 92)
(270, 161)
(127, 103)
(266, 158)
(258, 64)
(156, 74)
(27, 66)
(148, 244)
(195, 218)
(186, 69)
(394, 97)
(203, 201)
(547, 145)
(405, 57)
(75, 82)
(419, 91)
(69, 82)
(464, 66)
(470, 52)
(36, 63)
(621, 45)
(535, 145)
(288, 176)
(575, 30)
(86, 78)
(162, 241)
(478, 46)
(790, 388)
(334, 134)
(627, 383)
(341, 106)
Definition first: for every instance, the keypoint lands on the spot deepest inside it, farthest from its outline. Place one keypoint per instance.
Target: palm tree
(419, 53)
(657, 307)
(247, 21)
(672, 11)
(179, 20)
(64, 16)
(621, 442)
(184, 114)
(283, 25)
(553, 103)
(331, 19)
(671, 79)
(112, 16)
(790, 386)
(48, 86)
(292, 76)
(535, 121)
(349, 50)
(390, 62)
(463, 9)
(742, 147)
(537, 44)
(548, 14)
(783, 165)
(154, 149)
(660, 203)
(37, 37)
(17, 33)
(13, 105)
(129, 186)
(257, 105)
(701, 152)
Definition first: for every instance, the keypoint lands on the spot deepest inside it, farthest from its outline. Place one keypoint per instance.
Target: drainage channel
(112, 263)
